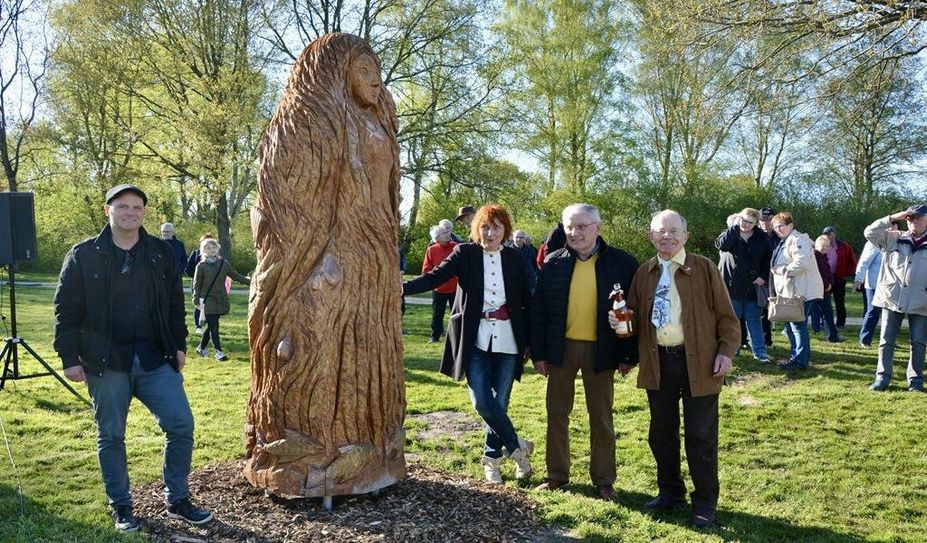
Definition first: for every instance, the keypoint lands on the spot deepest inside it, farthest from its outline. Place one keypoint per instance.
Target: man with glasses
(119, 326)
(688, 334)
(570, 333)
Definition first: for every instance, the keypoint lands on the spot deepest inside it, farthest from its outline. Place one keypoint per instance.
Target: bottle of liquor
(623, 314)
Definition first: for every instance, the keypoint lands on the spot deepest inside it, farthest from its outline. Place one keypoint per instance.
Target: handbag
(786, 308)
(762, 295)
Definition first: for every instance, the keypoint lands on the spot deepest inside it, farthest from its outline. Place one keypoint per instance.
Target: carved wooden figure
(327, 399)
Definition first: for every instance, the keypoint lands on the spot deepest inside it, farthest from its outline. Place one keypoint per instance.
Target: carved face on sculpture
(365, 80)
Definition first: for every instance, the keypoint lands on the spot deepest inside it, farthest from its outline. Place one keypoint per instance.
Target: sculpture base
(363, 474)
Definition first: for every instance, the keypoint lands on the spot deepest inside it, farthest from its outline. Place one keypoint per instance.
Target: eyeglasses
(675, 232)
(578, 227)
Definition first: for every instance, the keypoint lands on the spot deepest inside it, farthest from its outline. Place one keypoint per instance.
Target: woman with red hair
(487, 334)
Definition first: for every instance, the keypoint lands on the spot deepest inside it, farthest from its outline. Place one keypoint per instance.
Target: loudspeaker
(17, 227)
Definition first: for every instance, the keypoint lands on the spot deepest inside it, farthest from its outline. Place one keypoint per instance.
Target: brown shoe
(551, 485)
(606, 492)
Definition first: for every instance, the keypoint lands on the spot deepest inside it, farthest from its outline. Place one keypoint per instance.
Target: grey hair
(576, 209)
(667, 213)
(168, 226)
(446, 223)
(435, 230)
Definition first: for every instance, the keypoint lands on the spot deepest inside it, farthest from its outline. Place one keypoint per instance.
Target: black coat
(466, 262)
(84, 306)
(549, 307)
(742, 262)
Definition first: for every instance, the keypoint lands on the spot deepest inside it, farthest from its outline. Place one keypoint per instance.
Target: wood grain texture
(327, 398)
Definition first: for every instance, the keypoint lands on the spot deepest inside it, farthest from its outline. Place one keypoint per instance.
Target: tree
(563, 57)
(688, 93)
(23, 64)
(875, 129)
(873, 30)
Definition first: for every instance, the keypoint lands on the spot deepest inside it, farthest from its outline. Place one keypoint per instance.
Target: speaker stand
(10, 352)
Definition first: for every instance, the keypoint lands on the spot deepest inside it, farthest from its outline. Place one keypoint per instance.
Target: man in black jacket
(570, 333)
(119, 326)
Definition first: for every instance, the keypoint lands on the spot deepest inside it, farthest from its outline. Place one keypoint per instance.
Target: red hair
(488, 214)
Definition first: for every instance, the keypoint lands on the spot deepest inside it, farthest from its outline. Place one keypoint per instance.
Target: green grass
(812, 458)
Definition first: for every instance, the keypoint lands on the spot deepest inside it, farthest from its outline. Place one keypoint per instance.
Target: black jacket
(466, 262)
(743, 261)
(84, 306)
(549, 307)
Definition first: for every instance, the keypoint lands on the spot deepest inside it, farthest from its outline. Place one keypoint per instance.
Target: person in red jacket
(842, 261)
(443, 296)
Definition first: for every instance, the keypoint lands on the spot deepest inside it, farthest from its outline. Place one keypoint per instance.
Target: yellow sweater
(582, 305)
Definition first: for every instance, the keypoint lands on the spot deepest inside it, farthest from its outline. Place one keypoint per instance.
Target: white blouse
(494, 336)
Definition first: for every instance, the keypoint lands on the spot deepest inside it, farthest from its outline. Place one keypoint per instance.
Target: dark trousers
(439, 302)
(211, 332)
(767, 327)
(840, 295)
(701, 434)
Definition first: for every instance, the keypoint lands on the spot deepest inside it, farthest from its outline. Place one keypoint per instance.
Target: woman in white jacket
(794, 272)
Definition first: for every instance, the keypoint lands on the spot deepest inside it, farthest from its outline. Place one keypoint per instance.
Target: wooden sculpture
(327, 399)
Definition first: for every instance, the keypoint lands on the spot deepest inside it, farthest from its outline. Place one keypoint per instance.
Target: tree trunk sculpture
(327, 399)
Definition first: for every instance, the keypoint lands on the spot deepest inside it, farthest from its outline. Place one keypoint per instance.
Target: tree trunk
(325, 415)
(223, 226)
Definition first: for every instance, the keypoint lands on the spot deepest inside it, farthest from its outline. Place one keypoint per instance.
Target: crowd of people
(552, 305)
(511, 302)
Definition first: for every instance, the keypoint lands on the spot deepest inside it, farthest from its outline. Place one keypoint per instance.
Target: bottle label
(623, 328)
(619, 304)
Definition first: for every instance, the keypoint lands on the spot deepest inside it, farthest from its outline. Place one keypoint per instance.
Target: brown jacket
(708, 321)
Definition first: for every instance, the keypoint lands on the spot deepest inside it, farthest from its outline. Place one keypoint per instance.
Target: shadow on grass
(27, 520)
(434, 379)
(735, 525)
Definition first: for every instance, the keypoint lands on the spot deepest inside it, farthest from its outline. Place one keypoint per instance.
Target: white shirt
(495, 334)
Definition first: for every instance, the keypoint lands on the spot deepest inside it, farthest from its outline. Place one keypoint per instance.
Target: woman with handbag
(210, 296)
(797, 284)
(745, 256)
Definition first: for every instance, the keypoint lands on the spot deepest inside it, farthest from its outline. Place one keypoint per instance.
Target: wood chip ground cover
(427, 506)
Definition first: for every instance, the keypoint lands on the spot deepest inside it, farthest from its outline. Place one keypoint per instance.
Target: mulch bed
(429, 505)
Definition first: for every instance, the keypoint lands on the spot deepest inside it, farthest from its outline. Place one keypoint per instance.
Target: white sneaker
(520, 456)
(198, 330)
(202, 352)
(491, 469)
(220, 356)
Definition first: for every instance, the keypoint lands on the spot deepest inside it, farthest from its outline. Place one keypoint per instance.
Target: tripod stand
(10, 352)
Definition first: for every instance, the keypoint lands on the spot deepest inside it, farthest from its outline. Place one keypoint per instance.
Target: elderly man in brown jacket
(688, 334)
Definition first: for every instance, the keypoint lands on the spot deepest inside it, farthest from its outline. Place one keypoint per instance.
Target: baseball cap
(465, 210)
(918, 210)
(767, 212)
(112, 193)
(829, 230)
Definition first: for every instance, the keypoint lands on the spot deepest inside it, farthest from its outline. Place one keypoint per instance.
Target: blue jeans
(891, 325)
(749, 312)
(161, 390)
(870, 319)
(490, 377)
(799, 342)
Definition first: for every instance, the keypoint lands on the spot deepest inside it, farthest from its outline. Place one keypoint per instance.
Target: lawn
(815, 457)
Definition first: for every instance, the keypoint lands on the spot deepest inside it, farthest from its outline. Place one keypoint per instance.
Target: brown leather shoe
(551, 485)
(606, 492)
